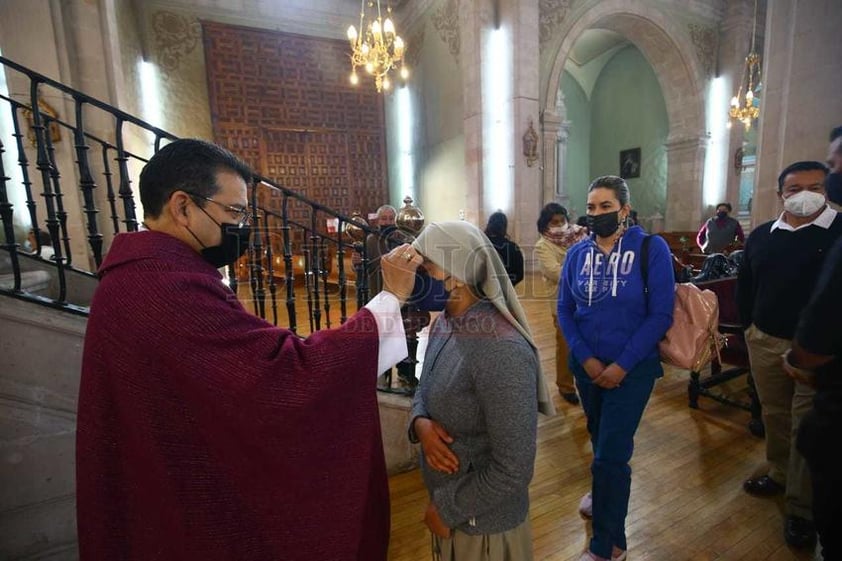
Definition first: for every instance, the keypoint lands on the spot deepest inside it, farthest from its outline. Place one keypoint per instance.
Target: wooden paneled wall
(284, 104)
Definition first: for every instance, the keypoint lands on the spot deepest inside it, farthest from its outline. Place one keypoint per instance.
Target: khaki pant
(784, 403)
(563, 375)
(513, 545)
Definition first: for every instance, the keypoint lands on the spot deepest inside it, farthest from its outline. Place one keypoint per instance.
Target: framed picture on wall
(630, 163)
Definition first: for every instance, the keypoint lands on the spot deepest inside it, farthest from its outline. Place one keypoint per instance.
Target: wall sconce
(530, 145)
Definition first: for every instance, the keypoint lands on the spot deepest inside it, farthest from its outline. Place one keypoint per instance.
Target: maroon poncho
(204, 433)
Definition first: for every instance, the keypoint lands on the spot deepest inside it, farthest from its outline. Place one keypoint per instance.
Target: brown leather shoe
(571, 397)
(763, 486)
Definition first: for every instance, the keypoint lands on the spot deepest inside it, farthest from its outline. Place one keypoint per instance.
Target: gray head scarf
(462, 250)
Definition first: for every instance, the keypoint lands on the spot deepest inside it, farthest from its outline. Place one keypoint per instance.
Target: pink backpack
(694, 336)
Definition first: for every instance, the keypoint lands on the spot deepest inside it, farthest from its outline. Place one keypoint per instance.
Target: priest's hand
(434, 441)
(434, 522)
(398, 269)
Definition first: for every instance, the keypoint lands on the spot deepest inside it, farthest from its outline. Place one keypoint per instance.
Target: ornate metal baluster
(126, 194)
(6, 214)
(109, 187)
(362, 293)
(325, 263)
(289, 274)
(43, 166)
(340, 263)
(270, 272)
(23, 162)
(315, 270)
(257, 263)
(61, 214)
(87, 184)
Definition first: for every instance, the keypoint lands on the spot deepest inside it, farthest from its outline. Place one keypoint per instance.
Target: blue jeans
(613, 417)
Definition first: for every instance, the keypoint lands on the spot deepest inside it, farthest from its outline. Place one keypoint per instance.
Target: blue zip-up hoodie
(602, 308)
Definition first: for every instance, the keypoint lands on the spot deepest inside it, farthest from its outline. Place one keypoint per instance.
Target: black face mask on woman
(604, 225)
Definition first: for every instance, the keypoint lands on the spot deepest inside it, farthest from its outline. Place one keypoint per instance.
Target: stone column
(685, 169)
(551, 122)
(470, 54)
(561, 195)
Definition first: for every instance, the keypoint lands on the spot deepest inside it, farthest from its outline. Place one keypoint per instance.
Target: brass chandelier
(376, 48)
(746, 108)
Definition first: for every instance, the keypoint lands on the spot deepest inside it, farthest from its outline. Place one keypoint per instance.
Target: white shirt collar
(824, 220)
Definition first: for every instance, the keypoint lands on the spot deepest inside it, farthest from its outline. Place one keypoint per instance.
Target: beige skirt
(514, 545)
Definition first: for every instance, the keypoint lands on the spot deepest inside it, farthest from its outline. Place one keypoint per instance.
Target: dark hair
(582, 221)
(497, 225)
(726, 205)
(187, 164)
(835, 133)
(799, 166)
(547, 213)
(616, 184)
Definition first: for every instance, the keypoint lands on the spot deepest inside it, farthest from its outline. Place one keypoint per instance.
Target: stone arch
(670, 52)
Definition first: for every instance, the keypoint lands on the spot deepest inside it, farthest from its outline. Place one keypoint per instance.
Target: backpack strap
(644, 265)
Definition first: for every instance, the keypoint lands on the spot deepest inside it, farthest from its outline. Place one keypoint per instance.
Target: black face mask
(721, 214)
(604, 225)
(235, 242)
(833, 186)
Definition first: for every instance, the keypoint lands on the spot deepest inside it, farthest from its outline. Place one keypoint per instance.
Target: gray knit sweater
(478, 381)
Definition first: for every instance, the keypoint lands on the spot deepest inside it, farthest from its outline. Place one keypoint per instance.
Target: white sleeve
(387, 313)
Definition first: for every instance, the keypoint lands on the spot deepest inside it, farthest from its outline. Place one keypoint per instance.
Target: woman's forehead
(602, 194)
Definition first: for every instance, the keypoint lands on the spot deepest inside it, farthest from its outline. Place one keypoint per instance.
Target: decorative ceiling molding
(705, 42)
(551, 14)
(175, 37)
(446, 21)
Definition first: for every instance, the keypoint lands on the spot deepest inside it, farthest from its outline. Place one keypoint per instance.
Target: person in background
(613, 327)
(781, 262)
(509, 252)
(475, 411)
(205, 433)
(378, 244)
(815, 359)
(719, 232)
(42, 241)
(557, 236)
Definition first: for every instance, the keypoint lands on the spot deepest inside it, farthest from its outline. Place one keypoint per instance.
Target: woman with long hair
(613, 324)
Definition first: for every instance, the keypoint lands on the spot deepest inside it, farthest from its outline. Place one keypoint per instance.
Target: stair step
(30, 281)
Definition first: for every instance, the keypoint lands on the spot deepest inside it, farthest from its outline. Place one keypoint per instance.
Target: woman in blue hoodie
(612, 325)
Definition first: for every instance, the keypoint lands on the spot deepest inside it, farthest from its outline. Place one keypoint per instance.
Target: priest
(205, 433)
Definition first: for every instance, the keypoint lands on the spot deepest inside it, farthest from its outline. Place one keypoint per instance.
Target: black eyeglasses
(242, 215)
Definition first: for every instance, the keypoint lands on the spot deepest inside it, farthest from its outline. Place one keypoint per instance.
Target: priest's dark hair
(799, 166)
(189, 165)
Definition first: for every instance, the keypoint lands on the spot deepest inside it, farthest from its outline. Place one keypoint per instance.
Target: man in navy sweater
(782, 260)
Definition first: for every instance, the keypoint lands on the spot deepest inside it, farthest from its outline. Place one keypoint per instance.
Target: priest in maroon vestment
(205, 433)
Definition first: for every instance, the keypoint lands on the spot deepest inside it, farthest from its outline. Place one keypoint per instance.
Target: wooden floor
(687, 501)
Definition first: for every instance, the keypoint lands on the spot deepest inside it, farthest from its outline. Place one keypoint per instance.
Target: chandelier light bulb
(354, 79)
(735, 102)
(386, 83)
(369, 67)
(388, 27)
(404, 72)
(398, 47)
(365, 49)
(375, 27)
(749, 97)
(352, 34)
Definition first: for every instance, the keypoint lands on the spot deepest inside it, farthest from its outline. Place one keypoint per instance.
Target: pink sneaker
(586, 506)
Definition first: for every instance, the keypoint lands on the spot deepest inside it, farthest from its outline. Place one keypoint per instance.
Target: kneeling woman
(613, 327)
(475, 410)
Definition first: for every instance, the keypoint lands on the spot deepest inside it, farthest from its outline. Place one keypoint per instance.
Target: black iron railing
(64, 194)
